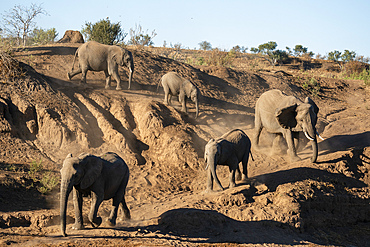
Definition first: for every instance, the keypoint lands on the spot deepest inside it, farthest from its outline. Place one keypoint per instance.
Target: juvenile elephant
(174, 85)
(287, 116)
(103, 177)
(230, 149)
(98, 57)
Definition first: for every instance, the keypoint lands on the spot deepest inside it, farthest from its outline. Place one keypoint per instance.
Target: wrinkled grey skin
(98, 57)
(174, 85)
(103, 177)
(230, 149)
(287, 116)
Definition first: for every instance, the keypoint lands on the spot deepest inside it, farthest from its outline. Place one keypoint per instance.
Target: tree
(104, 32)
(138, 37)
(348, 56)
(267, 48)
(19, 21)
(206, 46)
(41, 36)
(299, 50)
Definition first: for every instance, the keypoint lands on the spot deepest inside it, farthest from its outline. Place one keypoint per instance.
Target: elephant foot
(77, 226)
(232, 185)
(295, 158)
(118, 88)
(111, 222)
(97, 222)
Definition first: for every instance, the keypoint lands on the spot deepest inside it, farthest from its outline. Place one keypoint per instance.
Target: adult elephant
(285, 115)
(98, 57)
(103, 177)
(175, 85)
(230, 149)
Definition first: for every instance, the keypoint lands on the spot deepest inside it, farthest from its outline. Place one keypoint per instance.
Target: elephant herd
(106, 176)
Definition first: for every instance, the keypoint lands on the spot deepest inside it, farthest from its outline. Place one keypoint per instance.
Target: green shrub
(41, 36)
(104, 32)
(48, 182)
(312, 86)
(364, 76)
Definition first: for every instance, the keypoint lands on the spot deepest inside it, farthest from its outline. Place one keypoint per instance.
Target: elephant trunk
(212, 166)
(131, 67)
(65, 190)
(310, 133)
(197, 108)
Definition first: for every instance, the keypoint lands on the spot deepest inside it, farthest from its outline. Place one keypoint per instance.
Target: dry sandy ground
(45, 116)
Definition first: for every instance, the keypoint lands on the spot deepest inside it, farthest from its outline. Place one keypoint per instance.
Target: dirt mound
(44, 117)
(71, 36)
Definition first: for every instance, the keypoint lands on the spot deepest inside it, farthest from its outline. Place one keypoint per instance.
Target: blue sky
(321, 26)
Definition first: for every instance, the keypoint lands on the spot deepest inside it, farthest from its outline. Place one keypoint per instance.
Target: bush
(41, 36)
(138, 37)
(354, 67)
(206, 46)
(221, 58)
(312, 86)
(104, 32)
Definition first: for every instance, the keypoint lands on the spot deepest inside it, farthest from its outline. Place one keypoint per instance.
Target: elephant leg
(291, 148)
(238, 174)
(126, 211)
(77, 203)
(232, 169)
(277, 144)
(182, 100)
(209, 180)
(95, 203)
(84, 72)
(117, 78)
(113, 214)
(73, 73)
(245, 165)
(296, 140)
(258, 129)
(107, 79)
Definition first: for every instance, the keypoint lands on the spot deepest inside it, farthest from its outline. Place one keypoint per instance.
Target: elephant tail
(159, 83)
(74, 59)
(251, 154)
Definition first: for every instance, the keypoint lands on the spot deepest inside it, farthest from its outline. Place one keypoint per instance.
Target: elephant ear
(308, 100)
(92, 167)
(286, 116)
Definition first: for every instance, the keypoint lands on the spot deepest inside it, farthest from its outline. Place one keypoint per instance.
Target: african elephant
(103, 177)
(98, 57)
(174, 85)
(285, 115)
(230, 149)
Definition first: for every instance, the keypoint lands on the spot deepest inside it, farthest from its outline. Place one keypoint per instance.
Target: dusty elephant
(175, 85)
(103, 177)
(285, 115)
(98, 57)
(230, 149)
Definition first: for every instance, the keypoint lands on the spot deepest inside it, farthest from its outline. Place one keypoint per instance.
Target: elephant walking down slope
(103, 177)
(175, 85)
(285, 115)
(99, 57)
(230, 149)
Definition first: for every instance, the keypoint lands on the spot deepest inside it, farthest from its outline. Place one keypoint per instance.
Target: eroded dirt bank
(43, 116)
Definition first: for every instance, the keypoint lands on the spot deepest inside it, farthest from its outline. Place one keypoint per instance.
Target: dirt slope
(45, 116)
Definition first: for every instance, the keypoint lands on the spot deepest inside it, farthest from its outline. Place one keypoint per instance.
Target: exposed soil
(43, 116)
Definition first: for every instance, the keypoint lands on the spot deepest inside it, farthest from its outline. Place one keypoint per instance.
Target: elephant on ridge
(103, 177)
(175, 85)
(99, 57)
(285, 115)
(230, 149)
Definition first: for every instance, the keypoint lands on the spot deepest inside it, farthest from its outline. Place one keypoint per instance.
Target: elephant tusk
(308, 137)
(317, 133)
